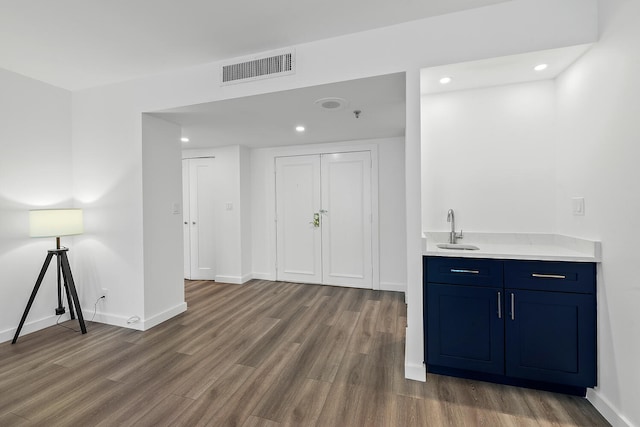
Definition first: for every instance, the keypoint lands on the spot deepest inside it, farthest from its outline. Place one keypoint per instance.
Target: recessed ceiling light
(300, 128)
(540, 67)
(445, 80)
(184, 139)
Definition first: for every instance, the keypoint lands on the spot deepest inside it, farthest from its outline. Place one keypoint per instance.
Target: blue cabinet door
(551, 336)
(465, 327)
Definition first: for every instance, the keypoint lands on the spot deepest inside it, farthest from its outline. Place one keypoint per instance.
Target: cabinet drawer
(574, 277)
(464, 271)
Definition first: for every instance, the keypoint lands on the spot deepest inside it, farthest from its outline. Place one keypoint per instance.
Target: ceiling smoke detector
(331, 104)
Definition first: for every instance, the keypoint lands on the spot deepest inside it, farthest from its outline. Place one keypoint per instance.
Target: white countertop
(543, 247)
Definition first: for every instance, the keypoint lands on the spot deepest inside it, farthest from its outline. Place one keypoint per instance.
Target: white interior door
(298, 239)
(200, 222)
(346, 219)
(323, 219)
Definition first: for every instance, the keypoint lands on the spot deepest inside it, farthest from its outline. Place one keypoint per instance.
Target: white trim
(29, 327)
(112, 319)
(163, 316)
(264, 276)
(394, 287)
(607, 410)
(140, 325)
(413, 371)
(236, 280)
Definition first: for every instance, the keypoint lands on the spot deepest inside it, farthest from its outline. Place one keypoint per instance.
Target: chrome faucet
(453, 236)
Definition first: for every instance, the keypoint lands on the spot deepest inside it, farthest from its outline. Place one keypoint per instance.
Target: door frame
(327, 148)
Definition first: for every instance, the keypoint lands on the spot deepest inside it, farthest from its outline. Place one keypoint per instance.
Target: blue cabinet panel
(464, 271)
(465, 328)
(550, 336)
(552, 276)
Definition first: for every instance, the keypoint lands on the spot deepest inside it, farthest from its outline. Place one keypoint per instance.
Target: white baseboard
(165, 315)
(114, 319)
(238, 280)
(264, 276)
(28, 327)
(607, 410)
(414, 371)
(135, 322)
(395, 287)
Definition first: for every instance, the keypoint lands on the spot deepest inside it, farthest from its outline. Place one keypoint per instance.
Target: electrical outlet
(105, 293)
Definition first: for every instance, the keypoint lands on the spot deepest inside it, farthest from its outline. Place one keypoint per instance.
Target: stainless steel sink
(457, 246)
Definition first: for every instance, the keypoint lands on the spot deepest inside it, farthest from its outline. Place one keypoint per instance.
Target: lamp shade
(55, 222)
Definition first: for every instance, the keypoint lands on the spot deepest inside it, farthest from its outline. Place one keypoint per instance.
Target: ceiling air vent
(261, 67)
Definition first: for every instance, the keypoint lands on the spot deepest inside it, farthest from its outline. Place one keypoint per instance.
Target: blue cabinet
(465, 330)
(550, 336)
(529, 323)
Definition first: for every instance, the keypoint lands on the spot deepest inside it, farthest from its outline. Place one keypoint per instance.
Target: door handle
(499, 306)
(316, 220)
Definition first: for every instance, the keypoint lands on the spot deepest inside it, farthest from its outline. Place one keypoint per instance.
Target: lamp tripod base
(72, 295)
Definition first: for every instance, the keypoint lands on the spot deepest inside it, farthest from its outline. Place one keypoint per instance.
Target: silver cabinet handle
(458, 270)
(499, 306)
(549, 276)
(513, 307)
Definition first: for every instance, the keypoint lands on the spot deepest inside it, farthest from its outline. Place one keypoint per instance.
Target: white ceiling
(500, 71)
(77, 44)
(269, 120)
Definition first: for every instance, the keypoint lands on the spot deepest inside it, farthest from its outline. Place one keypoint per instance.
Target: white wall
(35, 172)
(598, 154)
(161, 182)
(107, 152)
(391, 201)
(489, 154)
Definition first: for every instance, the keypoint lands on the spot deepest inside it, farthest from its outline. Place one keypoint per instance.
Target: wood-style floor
(260, 354)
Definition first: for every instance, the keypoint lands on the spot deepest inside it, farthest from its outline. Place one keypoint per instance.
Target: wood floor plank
(364, 332)
(307, 405)
(253, 421)
(259, 354)
(13, 420)
(203, 372)
(388, 312)
(330, 355)
(246, 398)
(166, 412)
(216, 396)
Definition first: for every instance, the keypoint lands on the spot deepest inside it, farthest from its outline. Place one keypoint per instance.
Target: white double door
(323, 219)
(198, 209)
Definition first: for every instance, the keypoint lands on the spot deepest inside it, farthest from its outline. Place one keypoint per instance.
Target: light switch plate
(175, 208)
(229, 206)
(578, 206)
